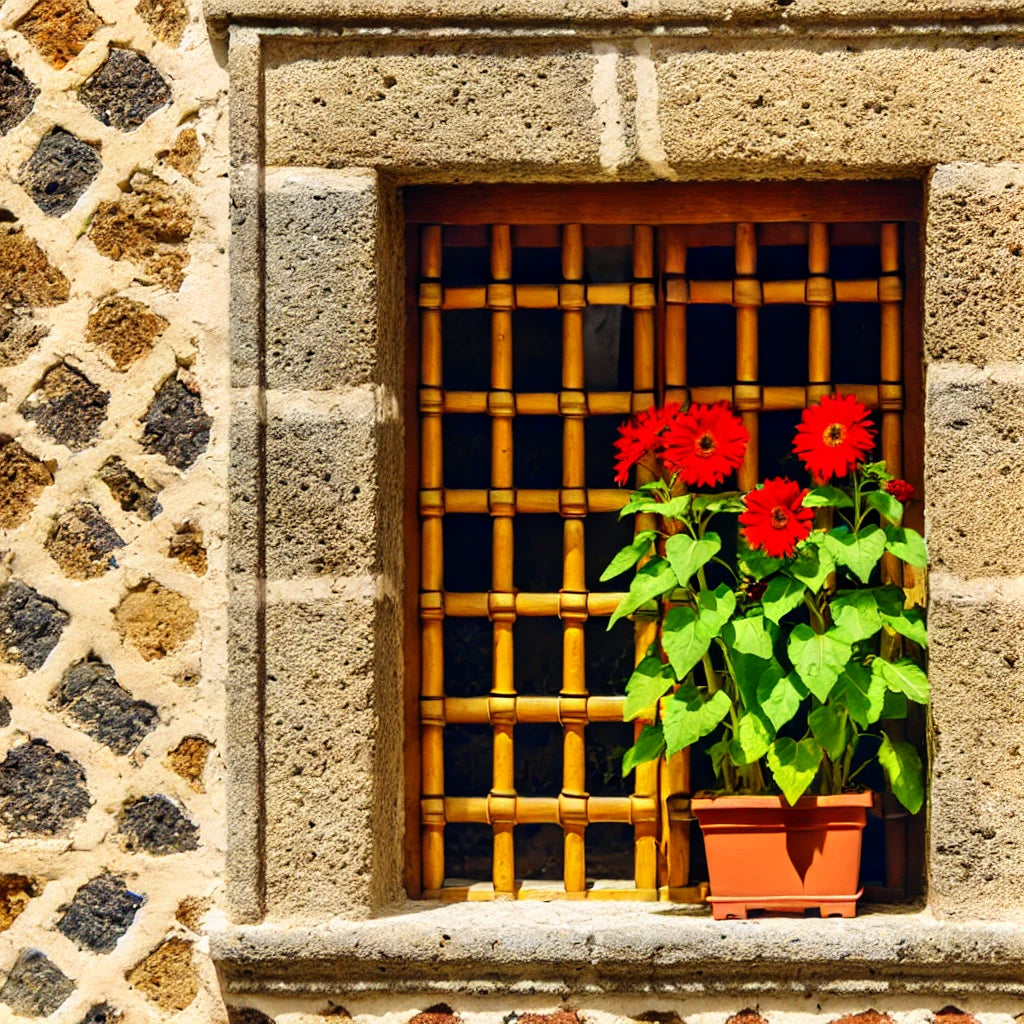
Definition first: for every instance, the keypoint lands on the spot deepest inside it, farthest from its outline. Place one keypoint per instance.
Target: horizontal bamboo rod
(544, 810)
(470, 605)
(769, 398)
(482, 502)
(483, 710)
(502, 295)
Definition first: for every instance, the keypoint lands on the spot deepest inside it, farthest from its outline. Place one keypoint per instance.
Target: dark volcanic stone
(91, 694)
(41, 791)
(59, 171)
(247, 1015)
(35, 986)
(67, 406)
(17, 94)
(176, 425)
(157, 825)
(5, 712)
(81, 542)
(101, 1013)
(30, 625)
(125, 90)
(100, 913)
(128, 489)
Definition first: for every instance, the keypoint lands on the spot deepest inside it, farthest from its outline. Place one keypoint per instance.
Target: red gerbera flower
(640, 435)
(833, 436)
(900, 490)
(705, 444)
(775, 520)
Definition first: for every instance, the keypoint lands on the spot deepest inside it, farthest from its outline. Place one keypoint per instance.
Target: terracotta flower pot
(765, 855)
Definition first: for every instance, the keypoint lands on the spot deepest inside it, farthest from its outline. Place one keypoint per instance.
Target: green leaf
(812, 566)
(756, 563)
(818, 658)
(885, 504)
(877, 471)
(654, 579)
(909, 624)
(687, 555)
(651, 679)
(855, 614)
(630, 555)
(861, 692)
(674, 508)
(890, 599)
(906, 775)
(750, 741)
(827, 497)
(894, 705)
(779, 694)
(794, 765)
(829, 726)
(903, 677)
(782, 595)
(859, 552)
(750, 642)
(686, 635)
(649, 746)
(726, 501)
(907, 545)
(719, 754)
(688, 716)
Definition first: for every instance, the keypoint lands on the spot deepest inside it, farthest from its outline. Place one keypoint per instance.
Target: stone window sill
(568, 948)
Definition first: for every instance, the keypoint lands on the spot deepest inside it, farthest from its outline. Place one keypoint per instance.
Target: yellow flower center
(834, 435)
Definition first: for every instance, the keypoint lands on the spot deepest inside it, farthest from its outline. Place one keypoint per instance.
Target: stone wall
(126, 868)
(113, 268)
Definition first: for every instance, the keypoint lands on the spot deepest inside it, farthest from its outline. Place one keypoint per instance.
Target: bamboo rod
(530, 709)
(746, 351)
(431, 579)
(819, 352)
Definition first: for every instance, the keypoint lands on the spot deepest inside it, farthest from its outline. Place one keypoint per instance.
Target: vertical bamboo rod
(643, 319)
(431, 580)
(675, 319)
(819, 354)
(503, 678)
(574, 683)
(746, 349)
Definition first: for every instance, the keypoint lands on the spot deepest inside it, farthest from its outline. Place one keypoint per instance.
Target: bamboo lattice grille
(667, 276)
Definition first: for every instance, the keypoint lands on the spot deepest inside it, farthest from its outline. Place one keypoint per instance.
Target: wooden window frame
(781, 212)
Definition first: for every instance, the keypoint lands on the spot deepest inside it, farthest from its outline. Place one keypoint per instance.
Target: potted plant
(781, 647)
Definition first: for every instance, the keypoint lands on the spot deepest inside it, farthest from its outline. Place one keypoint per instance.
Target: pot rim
(731, 801)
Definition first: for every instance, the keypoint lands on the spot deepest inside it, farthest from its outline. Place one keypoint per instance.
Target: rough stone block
(809, 108)
(167, 977)
(15, 893)
(321, 239)
(100, 913)
(156, 620)
(22, 479)
(5, 712)
(974, 264)
(20, 334)
(176, 426)
(417, 105)
(167, 18)
(67, 406)
(149, 225)
(126, 90)
(27, 278)
(186, 545)
(59, 29)
(974, 468)
(42, 791)
(101, 1013)
(184, 155)
(124, 329)
(91, 695)
(82, 542)
(17, 94)
(30, 625)
(329, 826)
(188, 759)
(59, 171)
(322, 480)
(157, 825)
(128, 489)
(35, 985)
(976, 667)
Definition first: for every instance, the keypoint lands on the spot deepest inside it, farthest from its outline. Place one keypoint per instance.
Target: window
(541, 317)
